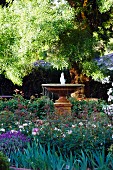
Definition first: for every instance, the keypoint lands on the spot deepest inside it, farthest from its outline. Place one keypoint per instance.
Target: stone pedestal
(62, 106)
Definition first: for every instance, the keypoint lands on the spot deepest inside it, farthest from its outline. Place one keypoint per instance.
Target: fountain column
(62, 105)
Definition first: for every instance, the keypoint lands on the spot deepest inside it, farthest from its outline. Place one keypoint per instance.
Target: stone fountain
(62, 105)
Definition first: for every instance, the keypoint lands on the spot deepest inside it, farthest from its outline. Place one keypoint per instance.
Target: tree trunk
(77, 77)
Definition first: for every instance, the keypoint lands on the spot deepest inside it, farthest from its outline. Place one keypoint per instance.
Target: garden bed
(32, 136)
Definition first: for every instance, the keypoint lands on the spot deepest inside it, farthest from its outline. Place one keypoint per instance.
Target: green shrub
(4, 163)
(88, 128)
(84, 109)
(42, 107)
(37, 107)
(6, 119)
(74, 134)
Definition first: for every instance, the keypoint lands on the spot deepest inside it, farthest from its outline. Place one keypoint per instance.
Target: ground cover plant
(4, 163)
(33, 136)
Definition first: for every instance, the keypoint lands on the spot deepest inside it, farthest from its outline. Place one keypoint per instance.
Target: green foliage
(16, 112)
(36, 156)
(27, 30)
(18, 105)
(4, 163)
(104, 5)
(56, 142)
(102, 161)
(72, 134)
(85, 109)
(43, 106)
(6, 119)
(91, 68)
(31, 30)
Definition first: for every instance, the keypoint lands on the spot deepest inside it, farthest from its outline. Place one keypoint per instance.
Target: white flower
(12, 131)
(109, 113)
(73, 126)
(109, 91)
(81, 124)
(34, 133)
(69, 132)
(109, 99)
(16, 123)
(106, 80)
(109, 125)
(64, 135)
(25, 124)
(21, 127)
(112, 136)
(57, 129)
(2, 130)
(93, 125)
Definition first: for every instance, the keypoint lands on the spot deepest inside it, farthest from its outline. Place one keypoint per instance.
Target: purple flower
(14, 134)
(12, 141)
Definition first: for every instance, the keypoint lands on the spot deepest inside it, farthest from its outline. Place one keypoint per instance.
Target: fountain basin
(62, 105)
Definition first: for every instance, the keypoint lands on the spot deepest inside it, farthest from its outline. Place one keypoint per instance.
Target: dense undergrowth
(33, 136)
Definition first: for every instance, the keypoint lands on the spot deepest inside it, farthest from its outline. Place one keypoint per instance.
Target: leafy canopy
(27, 30)
(58, 33)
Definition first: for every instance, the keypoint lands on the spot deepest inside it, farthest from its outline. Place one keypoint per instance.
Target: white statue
(62, 80)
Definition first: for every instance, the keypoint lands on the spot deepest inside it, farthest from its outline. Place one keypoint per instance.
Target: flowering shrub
(88, 128)
(108, 108)
(12, 141)
(27, 109)
(73, 135)
(84, 109)
(6, 119)
(42, 107)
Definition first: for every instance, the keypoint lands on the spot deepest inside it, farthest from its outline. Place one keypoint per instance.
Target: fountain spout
(62, 80)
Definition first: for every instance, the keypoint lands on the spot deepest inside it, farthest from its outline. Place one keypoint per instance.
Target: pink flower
(66, 125)
(35, 131)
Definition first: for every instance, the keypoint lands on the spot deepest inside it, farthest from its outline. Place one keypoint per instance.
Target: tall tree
(62, 33)
(28, 29)
(96, 18)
